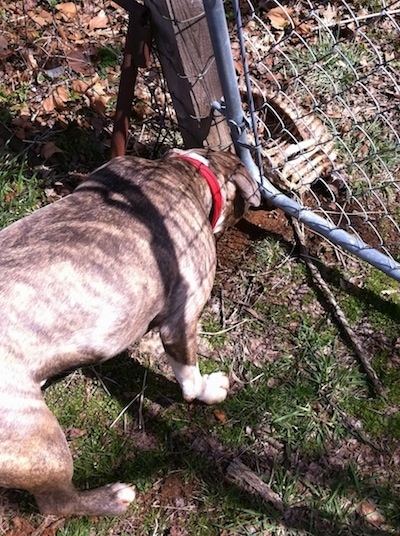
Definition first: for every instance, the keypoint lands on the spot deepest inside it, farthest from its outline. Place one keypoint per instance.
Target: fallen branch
(236, 471)
(240, 473)
(338, 312)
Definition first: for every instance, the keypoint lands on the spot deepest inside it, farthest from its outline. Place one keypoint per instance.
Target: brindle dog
(129, 250)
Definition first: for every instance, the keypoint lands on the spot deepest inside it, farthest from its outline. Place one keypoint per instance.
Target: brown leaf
(21, 527)
(3, 44)
(29, 56)
(73, 433)
(52, 528)
(68, 9)
(61, 97)
(237, 58)
(78, 63)
(370, 514)
(42, 18)
(48, 104)
(220, 415)
(79, 86)
(99, 104)
(30, 4)
(49, 149)
(98, 97)
(100, 21)
(330, 15)
(178, 531)
(99, 87)
(22, 123)
(279, 17)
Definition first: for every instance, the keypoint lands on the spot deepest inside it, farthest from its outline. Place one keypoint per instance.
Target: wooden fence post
(187, 59)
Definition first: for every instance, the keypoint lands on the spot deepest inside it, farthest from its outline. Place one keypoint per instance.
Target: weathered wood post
(186, 55)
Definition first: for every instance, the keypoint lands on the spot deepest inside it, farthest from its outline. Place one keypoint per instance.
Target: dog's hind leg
(34, 456)
(180, 344)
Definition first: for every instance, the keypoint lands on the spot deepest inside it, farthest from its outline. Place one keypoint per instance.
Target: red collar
(213, 184)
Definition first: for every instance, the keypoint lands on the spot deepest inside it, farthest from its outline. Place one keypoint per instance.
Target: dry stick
(360, 18)
(340, 316)
(240, 473)
(236, 472)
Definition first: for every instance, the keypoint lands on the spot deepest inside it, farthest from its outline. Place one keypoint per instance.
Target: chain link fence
(321, 85)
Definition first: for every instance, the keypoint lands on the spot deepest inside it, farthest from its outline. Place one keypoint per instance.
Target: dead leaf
(61, 97)
(99, 88)
(78, 63)
(68, 9)
(3, 43)
(48, 104)
(48, 149)
(98, 97)
(73, 433)
(30, 4)
(370, 514)
(80, 87)
(28, 55)
(329, 15)
(42, 18)
(20, 527)
(51, 528)
(99, 104)
(237, 58)
(22, 124)
(220, 415)
(279, 17)
(100, 21)
(177, 531)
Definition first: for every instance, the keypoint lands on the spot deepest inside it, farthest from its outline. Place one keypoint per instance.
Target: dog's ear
(247, 187)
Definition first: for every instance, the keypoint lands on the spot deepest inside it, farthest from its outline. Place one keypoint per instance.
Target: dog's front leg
(208, 388)
(180, 344)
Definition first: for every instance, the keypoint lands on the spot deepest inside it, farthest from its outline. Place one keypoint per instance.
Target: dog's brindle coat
(81, 279)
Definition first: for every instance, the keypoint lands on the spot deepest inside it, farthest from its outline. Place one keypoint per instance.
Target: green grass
(21, 190)
(371, 151)
(128, 423)
(329, 65)
(107, 57)
(13, 101)
(300, 414)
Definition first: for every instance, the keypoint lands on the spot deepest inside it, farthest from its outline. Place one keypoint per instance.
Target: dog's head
(238, 190)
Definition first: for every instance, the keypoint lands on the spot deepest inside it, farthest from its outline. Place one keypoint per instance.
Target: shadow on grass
(366, 297)
(194, 446)
(76, 147)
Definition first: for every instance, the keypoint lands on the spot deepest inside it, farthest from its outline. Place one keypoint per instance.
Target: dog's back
(74, 273)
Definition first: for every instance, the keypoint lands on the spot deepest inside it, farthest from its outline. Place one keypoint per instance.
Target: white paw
(216, 386)
(124, 493)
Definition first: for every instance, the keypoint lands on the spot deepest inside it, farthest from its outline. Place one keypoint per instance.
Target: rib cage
(296, 145)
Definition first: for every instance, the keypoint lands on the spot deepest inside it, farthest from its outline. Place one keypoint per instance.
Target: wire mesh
(324, 89)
